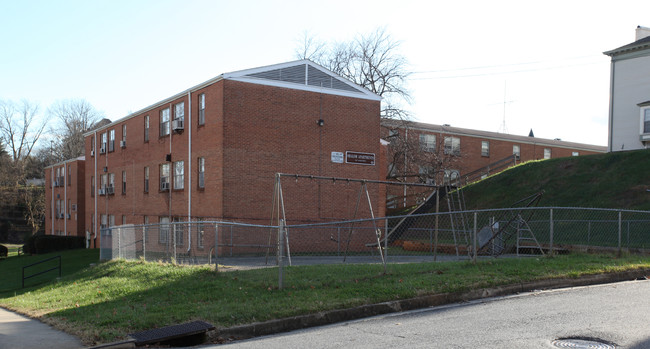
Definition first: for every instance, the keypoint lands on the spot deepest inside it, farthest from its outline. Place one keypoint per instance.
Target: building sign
(337, 157)
(352, 157)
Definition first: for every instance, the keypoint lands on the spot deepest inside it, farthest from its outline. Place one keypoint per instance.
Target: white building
(629, 101)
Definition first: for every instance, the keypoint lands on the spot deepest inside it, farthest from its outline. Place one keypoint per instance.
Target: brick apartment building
(443, 152)
(65, 198)
(211, 152)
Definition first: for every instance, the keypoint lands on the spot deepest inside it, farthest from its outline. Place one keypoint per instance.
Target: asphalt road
(617, 314)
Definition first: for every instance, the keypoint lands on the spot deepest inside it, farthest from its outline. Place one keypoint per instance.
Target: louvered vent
(295, 74)
(318, 78)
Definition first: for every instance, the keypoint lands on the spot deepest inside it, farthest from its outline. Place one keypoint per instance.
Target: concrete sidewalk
(20, 332)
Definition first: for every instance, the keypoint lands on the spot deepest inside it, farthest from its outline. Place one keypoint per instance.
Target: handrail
(42, 272)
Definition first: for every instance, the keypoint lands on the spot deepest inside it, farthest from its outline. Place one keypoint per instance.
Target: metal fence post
(216, 247)
(620, 230)
(474, 242)
(386, 240)
(280, 253)
(550, 247)
(119, 242)
(144, 242)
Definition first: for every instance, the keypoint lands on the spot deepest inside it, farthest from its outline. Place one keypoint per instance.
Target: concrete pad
(18, 331)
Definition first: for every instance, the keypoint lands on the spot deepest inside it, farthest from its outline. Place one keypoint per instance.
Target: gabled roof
(639, 45)
(302, 75)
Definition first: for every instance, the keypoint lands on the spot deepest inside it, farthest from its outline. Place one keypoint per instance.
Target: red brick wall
(271, 129)
(251, 132)
(70, 193)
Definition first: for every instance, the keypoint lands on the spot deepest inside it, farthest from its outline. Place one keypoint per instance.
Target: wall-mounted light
(320, 122)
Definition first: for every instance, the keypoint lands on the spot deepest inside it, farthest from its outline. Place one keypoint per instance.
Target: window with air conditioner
(164, 177)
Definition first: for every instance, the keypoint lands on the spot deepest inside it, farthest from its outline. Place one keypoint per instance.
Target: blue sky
(543, 58)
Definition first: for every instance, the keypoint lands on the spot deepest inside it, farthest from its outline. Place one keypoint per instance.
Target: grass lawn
(105, 302)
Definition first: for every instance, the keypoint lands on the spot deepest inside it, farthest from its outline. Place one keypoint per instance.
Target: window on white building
(646, 120)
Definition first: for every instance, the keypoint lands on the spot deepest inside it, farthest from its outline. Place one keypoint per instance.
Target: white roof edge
(157, 104)
(83, 157)
(240, 75)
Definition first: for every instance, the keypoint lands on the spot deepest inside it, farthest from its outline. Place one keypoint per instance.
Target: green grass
(105, 302)
(612, 180)
(71, 262)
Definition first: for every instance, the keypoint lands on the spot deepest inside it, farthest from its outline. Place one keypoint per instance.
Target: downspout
(52, 184)
(188, 124)
(610, 137)
(65, 199)
(95, 227)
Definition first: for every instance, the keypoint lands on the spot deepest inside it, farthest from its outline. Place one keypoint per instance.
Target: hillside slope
(613, 180)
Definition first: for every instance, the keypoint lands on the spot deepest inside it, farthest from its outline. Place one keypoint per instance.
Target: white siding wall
(631, 86)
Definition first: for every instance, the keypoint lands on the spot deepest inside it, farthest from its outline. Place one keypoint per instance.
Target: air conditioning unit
(122, 144)
(56, 183)
(92, 153)
(74, 207)
(68, 216)
(177, 124)
(164, 186)
(110, 190)
(101, 191)
(102, 150)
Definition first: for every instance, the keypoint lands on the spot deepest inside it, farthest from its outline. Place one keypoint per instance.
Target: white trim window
(202, 109)
(516, 151)
(452, 145)
(201, 167)
(485, 148)
(163, 231)
(179, 174)
(164, 177)
(645, 121)
(547, 153)
(179, 111)
(146, 179)
(427, 143)
(164, 122)
(146, 128)
(111, 140)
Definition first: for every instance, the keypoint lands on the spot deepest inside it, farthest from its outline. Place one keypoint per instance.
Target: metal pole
(474, 239)
(550, 247)
(386, 239)
(435, 236)
(588, 233)
(144, 242)
(620, 231)
(280, 253)
(216, 247)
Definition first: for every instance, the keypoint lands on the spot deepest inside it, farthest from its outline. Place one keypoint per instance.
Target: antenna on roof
(504, 128)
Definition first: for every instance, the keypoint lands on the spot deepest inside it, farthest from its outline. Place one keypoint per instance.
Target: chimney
(642, 32)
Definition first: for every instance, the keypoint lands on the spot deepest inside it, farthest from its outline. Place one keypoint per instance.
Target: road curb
(340, 315)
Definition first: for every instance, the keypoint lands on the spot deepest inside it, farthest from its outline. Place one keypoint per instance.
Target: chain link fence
(384, 241)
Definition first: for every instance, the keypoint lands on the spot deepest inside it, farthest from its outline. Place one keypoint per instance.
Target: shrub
(4, 251)
(49, 243)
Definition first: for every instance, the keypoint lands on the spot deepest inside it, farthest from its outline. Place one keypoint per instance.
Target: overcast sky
(543, 58)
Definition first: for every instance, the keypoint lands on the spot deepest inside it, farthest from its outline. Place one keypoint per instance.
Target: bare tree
(76, 116)
(372, 61)
(19, 127)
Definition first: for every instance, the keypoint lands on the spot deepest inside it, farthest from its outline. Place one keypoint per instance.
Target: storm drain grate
(171, 332)
(581, 344)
